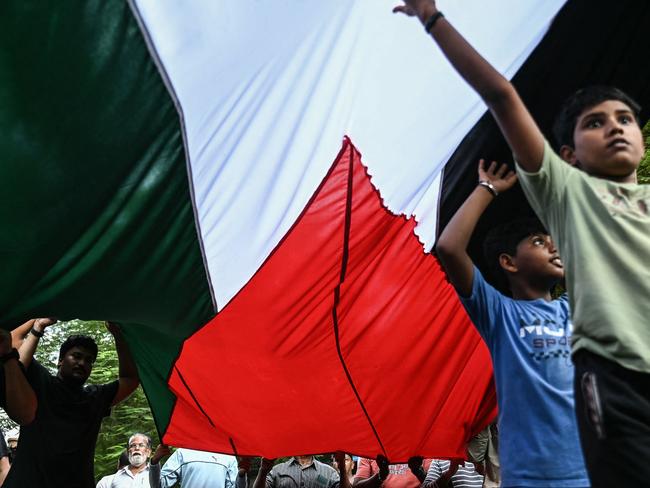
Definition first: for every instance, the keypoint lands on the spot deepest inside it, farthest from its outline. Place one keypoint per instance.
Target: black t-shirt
(57, 449)
(3, 393)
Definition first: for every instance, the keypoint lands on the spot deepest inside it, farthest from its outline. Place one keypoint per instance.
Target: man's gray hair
(141, 435)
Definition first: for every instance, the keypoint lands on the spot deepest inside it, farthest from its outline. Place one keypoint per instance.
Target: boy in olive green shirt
(599, 217)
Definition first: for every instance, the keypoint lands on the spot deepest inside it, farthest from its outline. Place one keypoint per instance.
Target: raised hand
(41, 324)
(161, 451)
(113, 328)
(267, 464)
(415, 8)
(243, 464)
(415, 465)
(339, 458)
(497, 174)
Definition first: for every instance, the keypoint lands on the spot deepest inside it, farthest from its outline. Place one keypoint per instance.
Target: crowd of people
(572, 372)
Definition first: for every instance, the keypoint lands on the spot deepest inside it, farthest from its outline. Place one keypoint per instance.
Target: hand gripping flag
(252, 190)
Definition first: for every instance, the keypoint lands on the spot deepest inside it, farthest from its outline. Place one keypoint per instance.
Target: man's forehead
(139, 438)
(81, 350)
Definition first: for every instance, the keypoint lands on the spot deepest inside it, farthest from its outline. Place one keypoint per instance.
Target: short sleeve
(477, 446)
(546, 188)
(36, 373)
(270, 479)
(483, 305)
(334, 479)
(171, 472)
(104, 395)
(233, 470)
(433, 474)
(364, 469)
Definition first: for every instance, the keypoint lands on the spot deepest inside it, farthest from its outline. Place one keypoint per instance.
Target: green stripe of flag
(96, 221)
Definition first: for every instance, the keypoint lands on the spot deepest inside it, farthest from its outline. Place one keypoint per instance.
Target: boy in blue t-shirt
(528, 336)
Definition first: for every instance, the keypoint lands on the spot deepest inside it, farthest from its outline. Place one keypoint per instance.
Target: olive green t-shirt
(602, 230)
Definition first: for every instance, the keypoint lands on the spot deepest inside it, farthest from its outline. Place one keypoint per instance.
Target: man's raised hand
(244, 464)
(41, 324)
(161, 451)
(113, 328)
(266, 464)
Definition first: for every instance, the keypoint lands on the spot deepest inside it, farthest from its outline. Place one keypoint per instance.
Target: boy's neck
(631, 178)
(530, 291)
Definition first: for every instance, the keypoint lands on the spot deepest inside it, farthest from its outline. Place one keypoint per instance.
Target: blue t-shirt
(530, 344)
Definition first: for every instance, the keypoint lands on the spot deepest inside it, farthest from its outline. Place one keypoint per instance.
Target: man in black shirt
(57, 448)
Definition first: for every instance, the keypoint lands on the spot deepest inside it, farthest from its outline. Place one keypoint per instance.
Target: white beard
(137, 459)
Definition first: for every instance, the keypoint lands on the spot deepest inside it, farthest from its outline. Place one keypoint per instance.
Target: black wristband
(36, 333)
(13, 354)
(428, 25)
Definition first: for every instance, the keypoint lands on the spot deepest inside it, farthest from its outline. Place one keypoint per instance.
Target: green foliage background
(644, 169)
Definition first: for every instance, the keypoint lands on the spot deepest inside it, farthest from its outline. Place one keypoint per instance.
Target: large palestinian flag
(252, 189)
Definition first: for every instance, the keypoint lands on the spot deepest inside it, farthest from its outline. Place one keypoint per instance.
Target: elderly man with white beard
(136, 474)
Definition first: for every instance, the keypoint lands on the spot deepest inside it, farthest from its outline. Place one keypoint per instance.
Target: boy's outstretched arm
(452, 244)
(516, 123)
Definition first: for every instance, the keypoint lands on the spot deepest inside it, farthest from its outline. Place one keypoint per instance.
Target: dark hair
(504, 239)
(123, 460)
(584, 99)
(83, 341)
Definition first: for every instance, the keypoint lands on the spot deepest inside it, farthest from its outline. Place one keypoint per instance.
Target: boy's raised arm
(452, 244)
(516, 123)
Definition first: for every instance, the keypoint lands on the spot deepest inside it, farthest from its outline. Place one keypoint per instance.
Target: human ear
(507, 263)
(568, 154)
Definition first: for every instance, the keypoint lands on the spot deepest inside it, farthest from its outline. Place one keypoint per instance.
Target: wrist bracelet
(489, 187)
(36, 333)
(13, 354)
(428, 25)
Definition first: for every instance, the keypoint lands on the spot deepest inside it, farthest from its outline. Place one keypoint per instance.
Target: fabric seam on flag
(189, 390)
(179, 109)
(337, 292)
